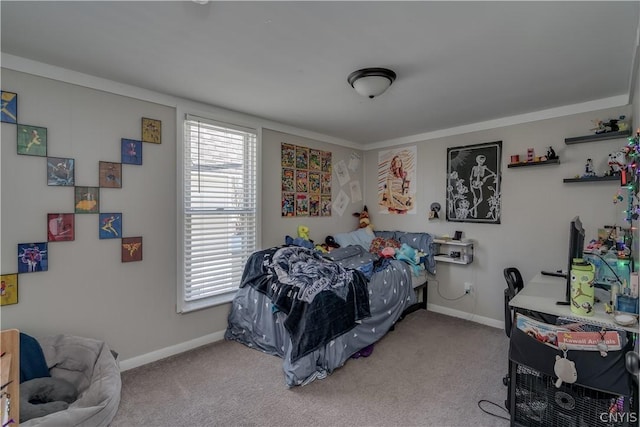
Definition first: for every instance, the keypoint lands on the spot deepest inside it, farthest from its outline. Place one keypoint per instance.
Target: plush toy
(565, 369)
(388, 252)
(302, 239)
(411, 256)
(303, 232)
(363, 218)
(331, 242)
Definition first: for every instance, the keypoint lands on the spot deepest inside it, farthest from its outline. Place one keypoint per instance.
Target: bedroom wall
(274, 226)
(536, 208)
(87, 290)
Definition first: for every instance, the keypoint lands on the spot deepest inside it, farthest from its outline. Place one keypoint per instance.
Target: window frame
(182, 115)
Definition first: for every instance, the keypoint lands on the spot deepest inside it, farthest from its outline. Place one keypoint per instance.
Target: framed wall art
(131, 150)
(61, 171)
(33, 257)
(87, 200)
(60, 227)
(151, 130)
(473, 183)
(305, 181)
(32, 140)
(131, 249)
(110, 226)
(110, 174)
(9, 110)
(8, 289)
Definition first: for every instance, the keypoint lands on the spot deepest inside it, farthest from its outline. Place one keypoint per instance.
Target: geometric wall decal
(131, 249)
(110, 225)
(9, 111)
(87, 200)
(60, 171)
(60, 227)
(151, 130)
(32, 140)
(110, 175)
(131, 151)
(32, 257)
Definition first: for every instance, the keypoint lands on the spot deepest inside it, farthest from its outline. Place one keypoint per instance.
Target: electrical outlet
(468, 287)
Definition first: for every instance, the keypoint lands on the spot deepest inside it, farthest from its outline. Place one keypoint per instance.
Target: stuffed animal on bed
(363, 218)
(303, 232)
(302, 239)
(412, 256)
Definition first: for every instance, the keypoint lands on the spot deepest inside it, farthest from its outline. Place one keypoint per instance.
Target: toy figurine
(551, 154)
(616, 162)
(588, 169)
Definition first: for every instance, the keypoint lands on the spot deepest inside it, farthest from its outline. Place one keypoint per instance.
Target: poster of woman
(397, 181)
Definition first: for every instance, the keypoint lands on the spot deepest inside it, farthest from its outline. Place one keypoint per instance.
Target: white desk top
(542, 293)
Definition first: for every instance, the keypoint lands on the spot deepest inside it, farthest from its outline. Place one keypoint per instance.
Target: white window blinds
(219, 209)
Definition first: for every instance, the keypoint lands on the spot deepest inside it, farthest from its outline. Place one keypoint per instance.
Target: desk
(533, 399)
(542, 293)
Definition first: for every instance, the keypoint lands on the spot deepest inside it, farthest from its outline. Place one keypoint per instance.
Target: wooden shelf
(598, 137)
(593, 179)
(541, 163)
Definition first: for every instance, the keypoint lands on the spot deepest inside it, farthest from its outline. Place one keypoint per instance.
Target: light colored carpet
(430, 371)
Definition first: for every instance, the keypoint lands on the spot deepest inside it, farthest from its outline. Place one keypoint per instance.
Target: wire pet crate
(538, 402)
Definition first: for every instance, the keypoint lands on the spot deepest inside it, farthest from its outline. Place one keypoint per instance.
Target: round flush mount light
(371, 82)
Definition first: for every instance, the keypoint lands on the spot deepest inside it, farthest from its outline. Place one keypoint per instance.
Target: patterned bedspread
(320, 298)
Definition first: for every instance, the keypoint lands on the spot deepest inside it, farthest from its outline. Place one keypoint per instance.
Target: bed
(316, 310)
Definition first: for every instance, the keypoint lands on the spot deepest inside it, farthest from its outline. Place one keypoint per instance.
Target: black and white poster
(473, 183)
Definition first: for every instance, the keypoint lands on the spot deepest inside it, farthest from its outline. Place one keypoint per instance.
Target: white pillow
(361, 236)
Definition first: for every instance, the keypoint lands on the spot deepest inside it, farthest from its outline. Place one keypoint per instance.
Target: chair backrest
(514, 285)
(514, 280)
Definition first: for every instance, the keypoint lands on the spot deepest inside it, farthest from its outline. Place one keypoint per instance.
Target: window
(218, 217)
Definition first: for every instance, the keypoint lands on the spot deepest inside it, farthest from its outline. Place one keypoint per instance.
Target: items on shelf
(453, 251)
(549, 158)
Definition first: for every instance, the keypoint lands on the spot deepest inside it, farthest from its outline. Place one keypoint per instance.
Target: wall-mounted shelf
(598, 137)
(593, 179)
(545, 162)
(445, 248)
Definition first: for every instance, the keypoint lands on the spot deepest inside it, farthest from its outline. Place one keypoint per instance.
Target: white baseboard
(143, 359)
(466, 316)
(162, 353)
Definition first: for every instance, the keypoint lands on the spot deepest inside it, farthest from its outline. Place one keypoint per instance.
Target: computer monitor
(576, 250)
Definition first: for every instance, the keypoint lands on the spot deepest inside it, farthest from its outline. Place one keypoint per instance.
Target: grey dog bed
(86, 366)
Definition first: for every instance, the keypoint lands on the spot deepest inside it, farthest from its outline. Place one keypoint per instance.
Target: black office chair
(514, 285)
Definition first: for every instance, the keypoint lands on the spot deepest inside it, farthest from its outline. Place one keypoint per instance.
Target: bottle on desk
(582, 289)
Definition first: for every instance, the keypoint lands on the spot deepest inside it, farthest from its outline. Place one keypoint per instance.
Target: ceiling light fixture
(371, 82)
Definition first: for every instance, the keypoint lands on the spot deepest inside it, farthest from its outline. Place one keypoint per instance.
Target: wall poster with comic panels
(305, 181)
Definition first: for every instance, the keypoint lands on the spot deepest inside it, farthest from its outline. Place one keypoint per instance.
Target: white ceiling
(457, 62)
